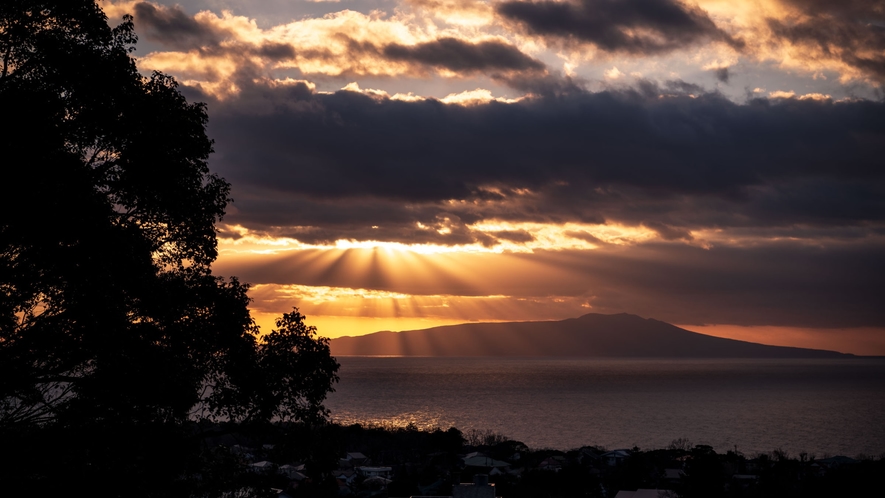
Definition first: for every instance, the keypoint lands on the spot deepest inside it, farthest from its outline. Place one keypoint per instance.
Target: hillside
(592, 335)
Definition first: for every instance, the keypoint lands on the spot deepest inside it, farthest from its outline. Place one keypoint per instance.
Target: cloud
(510, 42)
(458, 12)
(175, 28)
(546, 199)
(514, 235)
(850, 31)
(679, 143)
(546, 84)
(613, 73)
(470, 97)
(455, 57)
(668, 232)
(339, 161)
(635, 27)
(463, 56)
(276, 51)
(221, 52)
(780, 283)
(586, 236)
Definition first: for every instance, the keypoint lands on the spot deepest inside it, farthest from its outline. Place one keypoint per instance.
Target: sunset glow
(418, 163)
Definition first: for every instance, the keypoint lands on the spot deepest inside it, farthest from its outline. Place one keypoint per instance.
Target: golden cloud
(343, 43)
(796, 35)
(409, 42)
(511, 237)
(358, 302)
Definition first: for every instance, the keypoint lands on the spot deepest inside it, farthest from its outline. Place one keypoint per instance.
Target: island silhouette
(593, 335)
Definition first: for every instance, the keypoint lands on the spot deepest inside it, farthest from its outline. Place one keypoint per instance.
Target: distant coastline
(592, 335)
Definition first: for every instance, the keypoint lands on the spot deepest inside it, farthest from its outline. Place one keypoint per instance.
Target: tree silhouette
(115, 336)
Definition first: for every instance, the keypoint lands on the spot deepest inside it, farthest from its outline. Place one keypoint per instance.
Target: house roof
(484, 461)
(639, 493)
(617, 454)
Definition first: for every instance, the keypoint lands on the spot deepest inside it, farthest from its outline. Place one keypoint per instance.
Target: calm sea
(822, 407)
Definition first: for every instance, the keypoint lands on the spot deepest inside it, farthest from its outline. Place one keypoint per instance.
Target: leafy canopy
(115, 336)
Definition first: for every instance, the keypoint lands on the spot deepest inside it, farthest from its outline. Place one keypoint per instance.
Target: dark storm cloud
(344, 163)
(463, 56)
(347, 144)
(722, 74)
(852, 31)
(173, 27)
(638, 27)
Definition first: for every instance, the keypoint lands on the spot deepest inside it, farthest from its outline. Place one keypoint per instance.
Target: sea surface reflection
(823, 407)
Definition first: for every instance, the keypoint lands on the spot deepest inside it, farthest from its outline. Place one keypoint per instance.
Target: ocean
(821, 407)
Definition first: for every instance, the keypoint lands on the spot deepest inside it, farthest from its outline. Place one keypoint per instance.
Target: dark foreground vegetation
(428, 463)
(118, 345)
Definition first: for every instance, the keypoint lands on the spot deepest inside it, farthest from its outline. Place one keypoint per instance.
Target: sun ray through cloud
(648, 156)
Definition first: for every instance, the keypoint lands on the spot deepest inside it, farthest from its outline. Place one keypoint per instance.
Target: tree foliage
(115, 336)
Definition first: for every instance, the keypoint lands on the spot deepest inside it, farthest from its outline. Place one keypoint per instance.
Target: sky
(398, 165)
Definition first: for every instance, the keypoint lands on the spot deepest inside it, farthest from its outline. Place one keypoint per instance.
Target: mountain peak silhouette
(621, 335)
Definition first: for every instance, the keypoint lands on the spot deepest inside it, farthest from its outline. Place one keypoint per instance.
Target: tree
(115, 336)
